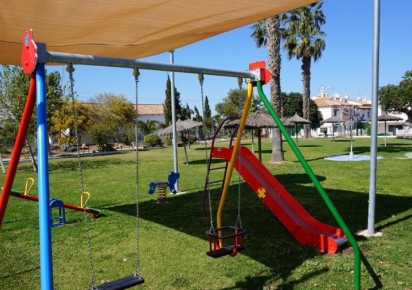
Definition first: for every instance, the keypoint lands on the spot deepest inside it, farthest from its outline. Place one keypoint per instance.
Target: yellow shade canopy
(128, 29)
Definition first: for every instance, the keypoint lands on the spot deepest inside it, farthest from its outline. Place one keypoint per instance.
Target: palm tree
(304, 40)
(149, 126)
(267, 33)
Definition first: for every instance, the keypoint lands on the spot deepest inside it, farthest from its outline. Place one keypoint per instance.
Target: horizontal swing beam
(58, 57)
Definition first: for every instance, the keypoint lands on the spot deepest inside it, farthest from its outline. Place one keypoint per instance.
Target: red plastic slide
(303, 227)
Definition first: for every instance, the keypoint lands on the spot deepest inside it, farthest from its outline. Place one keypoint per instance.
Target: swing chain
(70, 69)
(201, 81)
(136, 74)
(238, 219)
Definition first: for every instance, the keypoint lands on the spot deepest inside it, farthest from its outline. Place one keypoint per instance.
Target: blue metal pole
(46, 266)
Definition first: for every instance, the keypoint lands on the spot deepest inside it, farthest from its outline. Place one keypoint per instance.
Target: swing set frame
(34, 58)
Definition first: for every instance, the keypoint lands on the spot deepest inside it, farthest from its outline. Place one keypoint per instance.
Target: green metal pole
(322, 192)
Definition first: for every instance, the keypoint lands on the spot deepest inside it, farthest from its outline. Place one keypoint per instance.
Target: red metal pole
(18, 146)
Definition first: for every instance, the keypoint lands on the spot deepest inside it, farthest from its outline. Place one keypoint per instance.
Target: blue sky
(345, 66)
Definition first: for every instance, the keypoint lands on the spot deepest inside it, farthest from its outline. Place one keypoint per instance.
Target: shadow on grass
(391, 223)
(253, 281)
(293, 179)
(203, 161)
(309, 146)
(267, 241)
(312, 159)
(72, 164)
(390, 148)
(21, 273)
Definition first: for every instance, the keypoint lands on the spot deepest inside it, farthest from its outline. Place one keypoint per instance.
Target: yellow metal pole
(234, 154)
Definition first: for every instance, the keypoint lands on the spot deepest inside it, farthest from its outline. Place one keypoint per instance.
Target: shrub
(102, 136)
(3, 150)
(192, 139)
(151, 140)
(68, 147)
(167, 140)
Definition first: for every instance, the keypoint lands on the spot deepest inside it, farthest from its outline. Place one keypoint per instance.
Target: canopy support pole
(46, 265)
(374, 129)
(174, 131)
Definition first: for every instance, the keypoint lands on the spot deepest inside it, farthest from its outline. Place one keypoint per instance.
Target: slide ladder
(216, 166)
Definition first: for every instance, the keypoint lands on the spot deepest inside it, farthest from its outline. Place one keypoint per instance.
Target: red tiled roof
(150, 109)
(329, 102)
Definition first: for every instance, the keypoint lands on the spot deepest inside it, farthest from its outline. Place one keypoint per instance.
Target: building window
(335, 112)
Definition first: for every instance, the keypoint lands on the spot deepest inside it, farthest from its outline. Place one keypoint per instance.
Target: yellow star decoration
(261, 192)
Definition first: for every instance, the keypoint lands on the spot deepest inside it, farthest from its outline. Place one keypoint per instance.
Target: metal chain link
(136, 75)
(70, 69)
(239, 219)
(201, 81)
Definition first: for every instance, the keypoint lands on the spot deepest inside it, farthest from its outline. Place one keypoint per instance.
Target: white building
(358, 111)
(152, 112)
(344, 110)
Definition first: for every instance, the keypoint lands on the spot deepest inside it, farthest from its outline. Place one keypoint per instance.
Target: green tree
(398, 97)
(293, 103)
(267, 33)
(233, 104)
(304, 40)
(149, 126)
(63, 121)
(185, 113)
(14, 87)
(208, 115)
(167, 105)
(197, 116)
(54, 95)
(112, 115)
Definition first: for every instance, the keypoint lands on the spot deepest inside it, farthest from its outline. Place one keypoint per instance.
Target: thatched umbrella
(180, 127)
(387, 117)
(333, 120)
(257, 120)
(296, 119)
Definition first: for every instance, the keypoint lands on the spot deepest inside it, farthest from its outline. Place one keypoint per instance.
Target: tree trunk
(2, 165)
(274, 60)
(33, 160)
(306, 62)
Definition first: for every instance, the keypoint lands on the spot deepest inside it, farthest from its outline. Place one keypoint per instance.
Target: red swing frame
(216, 237)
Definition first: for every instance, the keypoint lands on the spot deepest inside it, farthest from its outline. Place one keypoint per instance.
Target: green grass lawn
(172, 239)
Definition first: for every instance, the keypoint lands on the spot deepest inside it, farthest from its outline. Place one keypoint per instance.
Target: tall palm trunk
(274, 60)
(306, 62)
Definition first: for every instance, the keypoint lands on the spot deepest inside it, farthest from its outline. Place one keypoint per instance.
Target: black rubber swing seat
(216, 237)
(122, 283)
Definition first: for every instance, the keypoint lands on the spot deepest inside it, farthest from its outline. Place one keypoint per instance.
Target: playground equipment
(235, 233)
(135, 278)
(306, 229)
(26, 195)
(302, 226)
(162, 187)
(33, 62)
(276, 198)
(60, 218)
